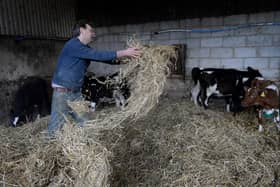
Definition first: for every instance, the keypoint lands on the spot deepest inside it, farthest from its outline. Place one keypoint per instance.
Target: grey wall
(27, 57)
(256, 46)
(244, 40)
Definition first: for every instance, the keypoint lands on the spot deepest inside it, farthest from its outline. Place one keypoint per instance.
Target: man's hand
(129, 52)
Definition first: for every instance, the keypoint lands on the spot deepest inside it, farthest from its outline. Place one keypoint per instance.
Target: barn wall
(27, 57)
(238, 44)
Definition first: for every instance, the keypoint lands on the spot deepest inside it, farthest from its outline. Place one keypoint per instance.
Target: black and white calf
(31, 101)
(226, 83)
(105, 90)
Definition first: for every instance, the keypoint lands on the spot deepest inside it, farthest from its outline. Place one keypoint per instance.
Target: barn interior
(169, 146)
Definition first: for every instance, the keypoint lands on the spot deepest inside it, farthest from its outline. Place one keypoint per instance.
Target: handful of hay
(146, 78)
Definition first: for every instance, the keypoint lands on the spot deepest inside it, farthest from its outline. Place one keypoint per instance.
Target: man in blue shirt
(72, 64)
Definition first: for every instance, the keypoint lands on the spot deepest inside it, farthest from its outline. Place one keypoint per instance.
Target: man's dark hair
(81, 23)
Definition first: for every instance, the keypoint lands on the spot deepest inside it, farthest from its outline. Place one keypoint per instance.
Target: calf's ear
(263, 93)
(250, 68)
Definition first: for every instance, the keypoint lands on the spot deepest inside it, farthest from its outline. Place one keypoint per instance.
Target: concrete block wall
(255, 46)
(28, 58)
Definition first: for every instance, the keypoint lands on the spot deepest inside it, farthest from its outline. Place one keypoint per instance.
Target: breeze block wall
(236, 41)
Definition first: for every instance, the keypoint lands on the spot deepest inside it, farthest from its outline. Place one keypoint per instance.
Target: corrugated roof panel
(4, 14)
(33, 18)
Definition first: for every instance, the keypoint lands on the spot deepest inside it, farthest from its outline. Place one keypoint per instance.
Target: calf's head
(254, 72)
(18, 117)
(251, 97)
(266, 98)
(261, 84)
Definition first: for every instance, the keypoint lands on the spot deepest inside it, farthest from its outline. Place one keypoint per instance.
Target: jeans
(60, 109)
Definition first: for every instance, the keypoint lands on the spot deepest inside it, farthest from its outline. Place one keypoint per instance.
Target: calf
(195, 91)
(105, 89)
(226, 83)
(31, 101)
(265, 95)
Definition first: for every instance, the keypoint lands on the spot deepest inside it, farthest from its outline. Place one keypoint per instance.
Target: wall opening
(177, 66)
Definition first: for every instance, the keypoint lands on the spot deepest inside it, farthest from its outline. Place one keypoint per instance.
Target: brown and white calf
(265, 95)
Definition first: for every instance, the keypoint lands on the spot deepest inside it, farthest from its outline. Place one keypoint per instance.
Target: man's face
(87, 33)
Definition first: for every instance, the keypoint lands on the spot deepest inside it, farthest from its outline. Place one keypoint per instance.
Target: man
(72, 64)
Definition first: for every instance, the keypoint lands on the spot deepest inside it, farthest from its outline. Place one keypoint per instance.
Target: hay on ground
(178, 144)
(76, 158)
